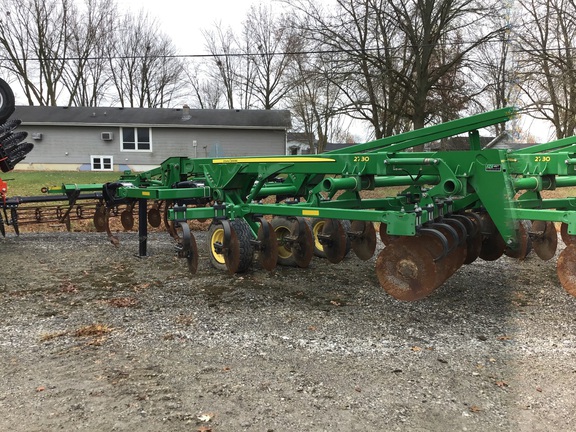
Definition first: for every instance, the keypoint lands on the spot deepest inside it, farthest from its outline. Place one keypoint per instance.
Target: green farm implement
(450, 207)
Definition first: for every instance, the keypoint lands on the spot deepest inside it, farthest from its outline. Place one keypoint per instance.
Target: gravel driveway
(94, 338)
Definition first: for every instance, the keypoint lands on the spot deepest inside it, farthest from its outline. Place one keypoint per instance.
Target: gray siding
(75, 144)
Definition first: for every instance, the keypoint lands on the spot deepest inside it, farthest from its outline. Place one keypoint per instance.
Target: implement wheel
(295, 243)
(229, 245)
(405, 271)
(317, 226)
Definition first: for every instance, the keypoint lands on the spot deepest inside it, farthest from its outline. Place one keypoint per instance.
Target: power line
(257, 54)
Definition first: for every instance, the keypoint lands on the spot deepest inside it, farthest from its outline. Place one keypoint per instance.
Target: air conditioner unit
(107, 136)
(37, 136)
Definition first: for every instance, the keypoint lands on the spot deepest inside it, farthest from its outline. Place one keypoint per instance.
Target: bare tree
(270, 47)
(222, 45)
(429, 25)
(35, 38)
(85, 74)
(401, 60)
(546, 57)
(494, 69)
(347, 39)
(314, 98)
(143, 66)
(207, 91)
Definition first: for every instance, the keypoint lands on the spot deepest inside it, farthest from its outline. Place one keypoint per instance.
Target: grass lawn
(29, 183)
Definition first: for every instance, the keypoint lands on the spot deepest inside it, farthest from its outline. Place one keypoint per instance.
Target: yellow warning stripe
(274, 159)
(310, 213)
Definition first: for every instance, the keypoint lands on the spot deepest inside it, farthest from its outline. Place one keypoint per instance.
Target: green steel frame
(506, 184)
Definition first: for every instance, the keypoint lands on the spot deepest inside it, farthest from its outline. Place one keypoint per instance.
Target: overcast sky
(183, 20)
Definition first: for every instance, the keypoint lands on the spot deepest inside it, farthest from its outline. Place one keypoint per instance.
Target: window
(101, 163)
(136, 139)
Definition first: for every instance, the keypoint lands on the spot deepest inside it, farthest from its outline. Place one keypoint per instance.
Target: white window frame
(136, 149)
(101, 161)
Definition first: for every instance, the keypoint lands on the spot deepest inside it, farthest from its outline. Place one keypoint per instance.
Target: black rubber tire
(245, 250)
(316, 227)
(6, 101)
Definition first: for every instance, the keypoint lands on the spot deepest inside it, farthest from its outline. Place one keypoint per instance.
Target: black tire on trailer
(240, 246)
(6, 101)
(317, 225)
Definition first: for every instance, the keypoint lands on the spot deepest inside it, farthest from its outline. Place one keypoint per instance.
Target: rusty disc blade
(406, 273)
(384, 236)
(566, 269)
(461, 247)
(524, 244)
(188, 248)
(433, 244)
(268, 254)
(127, 219)
(154, 217)
(492, 247)
(568, 239)
(303, 248)
(334, 240)
(232, 253)
(363, 243)
(456, 252)
(493, 244)
(545, 240)
(100, 220)
(474, 242)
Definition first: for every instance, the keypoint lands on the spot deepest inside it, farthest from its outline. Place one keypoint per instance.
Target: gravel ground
(94, 338)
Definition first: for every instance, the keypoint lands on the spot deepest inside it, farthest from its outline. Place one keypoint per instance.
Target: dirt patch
(94, 338)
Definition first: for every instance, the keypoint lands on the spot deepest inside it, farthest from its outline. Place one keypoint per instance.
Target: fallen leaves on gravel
(96, 331)
(68, 287)
(92, 330)
(123, 302)
(49, 336)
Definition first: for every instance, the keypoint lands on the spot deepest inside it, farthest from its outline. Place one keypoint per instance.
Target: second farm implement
(454, 206)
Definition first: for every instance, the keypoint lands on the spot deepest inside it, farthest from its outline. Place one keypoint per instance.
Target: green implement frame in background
(451, 207)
